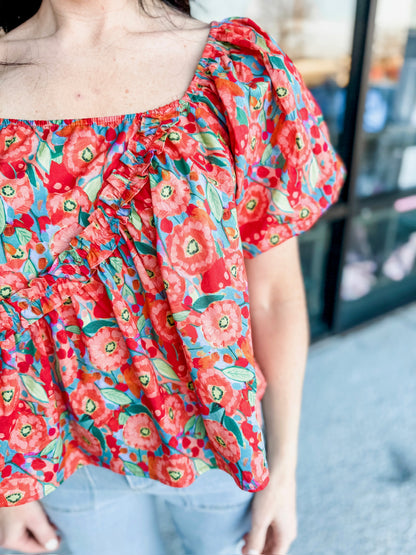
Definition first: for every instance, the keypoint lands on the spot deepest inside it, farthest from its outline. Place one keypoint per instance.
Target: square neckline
(168, 107)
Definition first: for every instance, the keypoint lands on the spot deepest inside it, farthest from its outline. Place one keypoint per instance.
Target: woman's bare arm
(281, 338)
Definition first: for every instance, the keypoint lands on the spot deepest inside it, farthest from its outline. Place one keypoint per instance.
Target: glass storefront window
(389, 152)
(381, 258)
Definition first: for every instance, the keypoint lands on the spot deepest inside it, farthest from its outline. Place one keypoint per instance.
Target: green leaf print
(262, 43)
(36, 389)
(189, 424)
(209, 140)
(2, 217)
(134, 469)
(44, 157)
(280, 200)
(29, 269)
(58, 449)
(140, 323)
(135, 219)
(182, 166)
(92, 187)
(181, 316)
(122, 418)
(165, 369)
(314, 173)
(217, 161)
(92, 328)
(239, 373)
(144, 248)
(268, 151)
(23, 235)
(252, 398)
(115, 396)
(48, 488)
(214, 201)
(116, 263)
(203, 302)
(137, 409)
(242, 116)
(201, 466)
(73, 329)
(200, 431)
(49, 448)
(232, 426)
(98, 434)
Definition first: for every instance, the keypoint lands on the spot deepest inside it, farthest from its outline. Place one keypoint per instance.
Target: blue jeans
(100, 512)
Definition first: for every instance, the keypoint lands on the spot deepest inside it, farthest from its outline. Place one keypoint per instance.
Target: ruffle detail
(76, 266)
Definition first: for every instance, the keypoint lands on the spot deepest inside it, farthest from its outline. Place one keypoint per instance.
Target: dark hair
(13, 14)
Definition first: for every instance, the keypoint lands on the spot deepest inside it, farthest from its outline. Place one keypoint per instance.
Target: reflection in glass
(382, 251)
(389, 154)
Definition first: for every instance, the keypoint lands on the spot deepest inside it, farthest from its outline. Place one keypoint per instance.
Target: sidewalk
(357, 451)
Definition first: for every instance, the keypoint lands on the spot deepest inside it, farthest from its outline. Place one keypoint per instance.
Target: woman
(130, 388)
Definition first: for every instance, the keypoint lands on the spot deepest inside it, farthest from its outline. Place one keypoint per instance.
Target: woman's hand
(274, 519)
(27, 528)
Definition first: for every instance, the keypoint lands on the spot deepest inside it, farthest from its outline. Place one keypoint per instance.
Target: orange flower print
(17, 193)
(63, 209)
(149, 273)
(171, 196)
(29, 433)
(259, 470)
(82, 150)
(307, 212)
(294, 143)
(174, 286)
(213, 387)
(175, 416)
(16, 141)
(141, 433)
(253, 205)
(223, 440)
(141, 377)
(87, 399)
(162, 320)
(9, 392)
(19, 489)
(107, 349)
(176, 470)
(221, 323)
(191, 248)
(86, 439)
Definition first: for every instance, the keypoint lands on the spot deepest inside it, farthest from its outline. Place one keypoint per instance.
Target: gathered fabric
(125, 334)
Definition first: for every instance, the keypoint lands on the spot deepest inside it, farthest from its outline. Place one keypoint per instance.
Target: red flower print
(63, 209)
(81, 151)
(107, 349)
(16, 141)
(174, 286)
(234, 262)
(175, 416)
(213, 387)
(171, 196)
(18, 489)
(283, 91)
(141, 377)
(29, 433)
(9, 392)
(17, 193)
(74, 458)
(86, 439)
(307, 211)
(294, 143)
(87, 399)
(149, 273)
(221, 323)
(141, 433)
(253, 205)
(223, 440)
(176, 470)
(162, 320)
(191, 248)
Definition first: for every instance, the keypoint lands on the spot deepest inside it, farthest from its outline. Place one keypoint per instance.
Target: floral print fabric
(125, 330)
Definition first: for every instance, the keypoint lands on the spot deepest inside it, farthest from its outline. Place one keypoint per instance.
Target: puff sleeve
(287, 171)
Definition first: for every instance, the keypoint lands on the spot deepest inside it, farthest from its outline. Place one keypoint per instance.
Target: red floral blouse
(125, 337)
